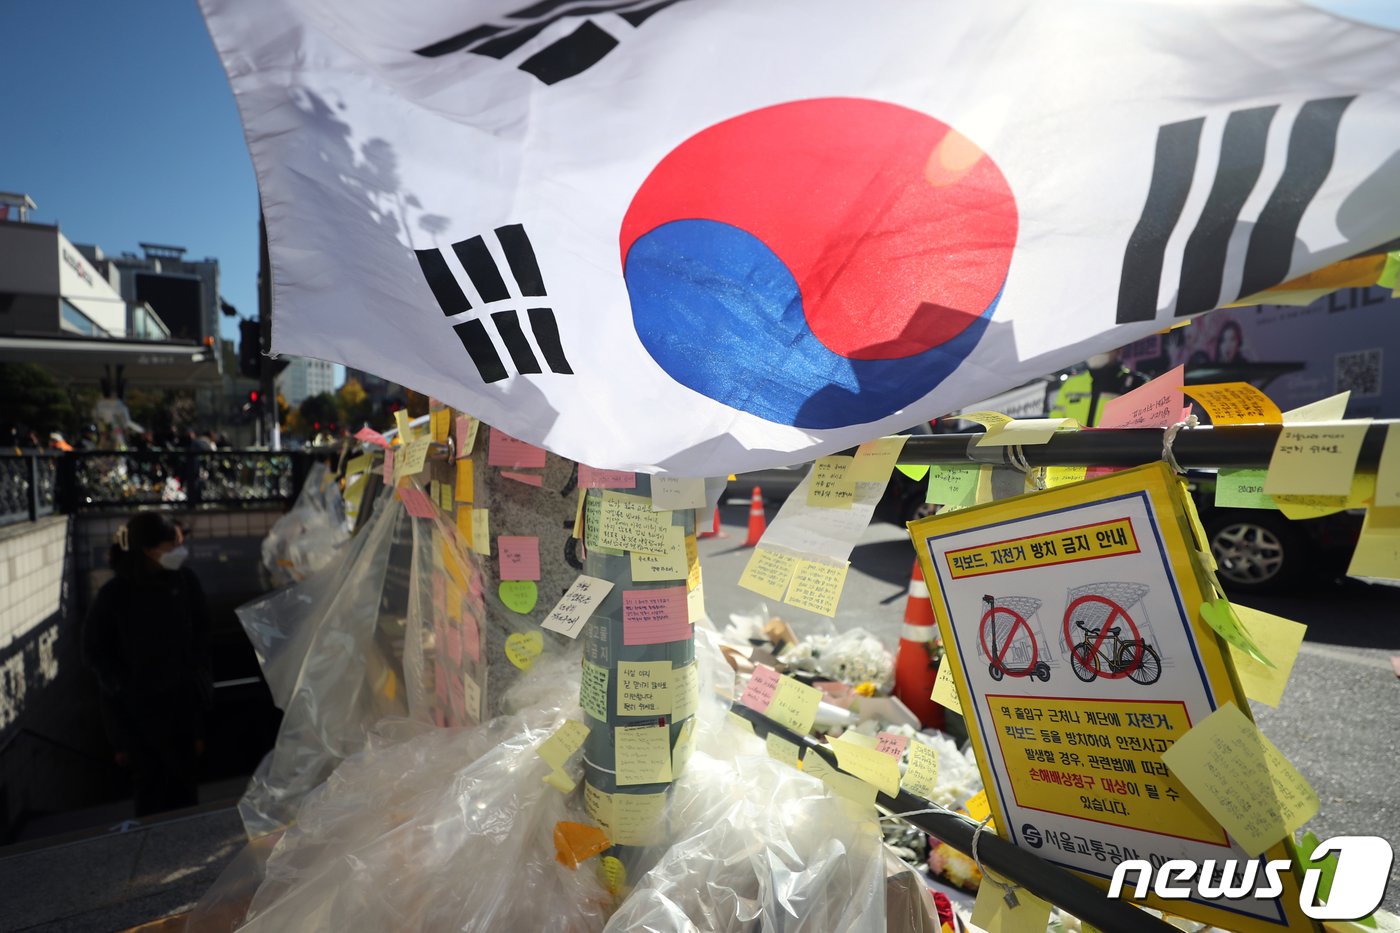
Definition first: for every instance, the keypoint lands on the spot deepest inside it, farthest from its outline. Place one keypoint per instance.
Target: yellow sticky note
(638, 819)
(481, 531)
(1235, 403)
(692, 563)
(817, 586)
(1315, 460)
(1241, 779)
(1332, 408)
(599, 805)
(644, 688)
(871, 766)
(1388, 472)
(1024, 431)
(566, 740)
(978, 807)
(628, 523)
(953, 485)
(1363, 489)
(992, 913)
(1279, 639)
(439, 424)
(921, 774)
(768, 573)
(695, 603)
(1064, 475)
(741, 723)
(668, 564)
(831, 486)
(1377, 551)
(410, 459)
(593, 691)
(945, 690)
(464, 526)
(685, 744)
(360, 464)
(843, 785)
(783, 750)
(405, 425)
(1220, 615)
(523, 648)
(466, 482)
(794, 705)
(875, 460)
(578, 514)
(467, 426)
(991, 420)
(643, 755)
(613, 873)
(560, 781)
(685, 690)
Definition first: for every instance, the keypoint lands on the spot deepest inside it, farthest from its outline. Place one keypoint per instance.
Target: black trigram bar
(574, 54)
(1312, 145)
(478, 345)
(448, 293)
(521, 257)
(481, 269)
(546, 333)
(508, 326)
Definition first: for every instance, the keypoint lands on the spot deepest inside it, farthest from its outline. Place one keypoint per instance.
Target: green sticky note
(1220, 615)
(1242, 489)
(593, 691)
(592, 519)
(519, 595)
(953, 485)
(913, 471)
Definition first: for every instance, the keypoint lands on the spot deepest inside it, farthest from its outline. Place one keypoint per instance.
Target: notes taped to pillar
(628, 523)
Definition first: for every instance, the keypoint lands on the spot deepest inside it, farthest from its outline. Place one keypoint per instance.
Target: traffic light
(249, 349)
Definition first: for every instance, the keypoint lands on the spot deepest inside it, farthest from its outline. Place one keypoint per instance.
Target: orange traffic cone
(914, 668)
(758, 522)
(714, 532)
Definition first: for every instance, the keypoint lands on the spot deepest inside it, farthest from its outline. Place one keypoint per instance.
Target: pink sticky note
(370, 436)
(440, 682)
(471, 638)
(388, 466)
(655, 617)
(507, 451)
(520, 557)
(1155, 405)
(417, 504)
(464, 430)
(589, 478)
(439, 596)
(760, 689)
(529, 479)
(891, 744)
(452, 643)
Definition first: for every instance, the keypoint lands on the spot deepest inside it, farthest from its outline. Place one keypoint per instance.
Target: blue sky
(119, 122)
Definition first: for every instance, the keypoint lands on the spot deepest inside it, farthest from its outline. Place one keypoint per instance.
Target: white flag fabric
(703, 236)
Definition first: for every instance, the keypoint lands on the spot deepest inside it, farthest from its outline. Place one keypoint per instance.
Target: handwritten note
(519, 557)
(1315, 460)
(685, 744)
(481, 531)
(1155, 405)
(411, 458)
(685, 691)
(1003, 431)
(1363, 489)
(519, 595)
(1279, 639)
(593, 691)
(758, 692)
(466, 429)
(869, 764)
(1242, 489)
(817, 587)
(439, 424)
(577, 605)
(842, 785)
(566, 740)
(830, 485)
(404, 423)
(953, 485)
(370, 436)
(628, 523)
(591, 521)
(590, 478)
(888, 743)
(523, 648)
(794, 705)
(507, 451)
(415, 503)
(921, 775)
(1388, 472)
(1242, 779)
(875, 460)
(781, 749)
(471, 697)
(1235, 403)
(1377, 554)
(643, 688)
(638, 819)
(1219, 614)
(654, 617)
(1064, 475)
(670, 564)
(768, 573)
(945, 689)
(670, 493)
(643, 755)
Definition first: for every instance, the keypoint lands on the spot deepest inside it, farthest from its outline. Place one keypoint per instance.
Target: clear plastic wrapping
(307, 538)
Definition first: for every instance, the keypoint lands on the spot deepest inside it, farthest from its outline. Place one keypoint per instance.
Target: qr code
(1360, 372)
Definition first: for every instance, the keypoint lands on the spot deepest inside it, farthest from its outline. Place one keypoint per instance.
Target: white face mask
(174, 558)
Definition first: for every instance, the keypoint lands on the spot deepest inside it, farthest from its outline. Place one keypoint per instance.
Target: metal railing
(38, 483)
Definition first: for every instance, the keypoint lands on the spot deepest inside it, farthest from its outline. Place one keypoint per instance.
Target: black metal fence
(34, 484)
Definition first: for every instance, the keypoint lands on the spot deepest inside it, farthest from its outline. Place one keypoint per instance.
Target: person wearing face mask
(146, 638)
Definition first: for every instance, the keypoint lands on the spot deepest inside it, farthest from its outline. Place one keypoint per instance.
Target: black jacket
(150, 635)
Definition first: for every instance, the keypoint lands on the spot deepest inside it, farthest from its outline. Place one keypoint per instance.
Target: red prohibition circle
(1115, 611)
(1018, 622)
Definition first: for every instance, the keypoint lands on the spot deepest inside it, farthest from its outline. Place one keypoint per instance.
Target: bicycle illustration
(1100, 650)
(1014, 649)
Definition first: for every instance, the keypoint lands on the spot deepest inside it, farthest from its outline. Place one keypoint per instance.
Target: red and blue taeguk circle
(818, 263)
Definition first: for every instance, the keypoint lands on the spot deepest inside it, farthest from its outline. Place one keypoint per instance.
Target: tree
(353, 404)
(319, 410)
(31, 400)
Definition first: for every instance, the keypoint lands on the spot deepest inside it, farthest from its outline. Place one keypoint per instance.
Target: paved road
(1339, 721)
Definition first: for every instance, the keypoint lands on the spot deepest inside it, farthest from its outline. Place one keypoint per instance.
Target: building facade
(304, 378)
